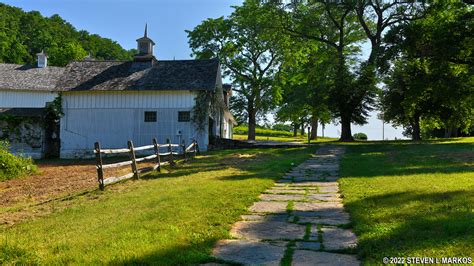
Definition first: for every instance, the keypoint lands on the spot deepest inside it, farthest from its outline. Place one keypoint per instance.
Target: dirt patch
(55, 181)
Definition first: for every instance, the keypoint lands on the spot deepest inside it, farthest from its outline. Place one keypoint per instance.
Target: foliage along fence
(192, 149)
(243, 130)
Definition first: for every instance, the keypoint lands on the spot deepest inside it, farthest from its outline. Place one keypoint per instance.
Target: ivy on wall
(10, 126)
(55, 108)
(21, 130)
(207, 103)
(28, 129)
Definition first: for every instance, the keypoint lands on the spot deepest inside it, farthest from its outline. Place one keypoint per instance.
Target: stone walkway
(300, 219)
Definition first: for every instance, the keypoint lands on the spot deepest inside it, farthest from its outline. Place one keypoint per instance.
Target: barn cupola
(145, 47)
(42, 59)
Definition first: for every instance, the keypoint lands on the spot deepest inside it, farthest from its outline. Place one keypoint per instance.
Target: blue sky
(124, 21)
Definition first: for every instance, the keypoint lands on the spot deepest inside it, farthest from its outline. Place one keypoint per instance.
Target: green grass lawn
(172, 218)
(405, 199)
(299, 138)
(410, 199)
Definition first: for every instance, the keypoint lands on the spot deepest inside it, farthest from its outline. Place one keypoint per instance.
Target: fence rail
(192, 149)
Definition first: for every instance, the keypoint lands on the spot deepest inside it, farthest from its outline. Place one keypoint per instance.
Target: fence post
(184, 150)
(170, 150)
(133, 159)
(194, 148)
(157, 152)
(100, 171)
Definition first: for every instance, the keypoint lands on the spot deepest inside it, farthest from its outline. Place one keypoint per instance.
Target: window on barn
(184, 116)
(150, 116)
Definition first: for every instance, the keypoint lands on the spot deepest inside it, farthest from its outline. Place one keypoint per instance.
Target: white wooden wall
(123, 99)
(25, 99)
(112, 118)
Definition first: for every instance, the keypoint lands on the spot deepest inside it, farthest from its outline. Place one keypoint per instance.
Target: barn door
(51, 140)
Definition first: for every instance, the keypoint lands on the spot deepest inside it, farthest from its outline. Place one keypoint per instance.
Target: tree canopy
(431, 80)
(250, 52)
(24, 34)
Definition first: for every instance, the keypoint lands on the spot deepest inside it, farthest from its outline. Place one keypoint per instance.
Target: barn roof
(133, 75)
(28, 77)
(113, 75)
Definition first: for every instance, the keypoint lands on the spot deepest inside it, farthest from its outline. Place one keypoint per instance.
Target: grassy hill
(241, 132)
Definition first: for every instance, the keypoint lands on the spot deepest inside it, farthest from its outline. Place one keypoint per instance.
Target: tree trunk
(346, 134)
(252, 123)
(450, 131)
(314, 127)
(416, 133)
(447, 132)
(295, 129)
(455, 132)
(302, 128)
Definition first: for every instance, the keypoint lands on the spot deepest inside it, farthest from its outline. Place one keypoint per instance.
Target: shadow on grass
(190, 254)
(200, 252)
(414, 224)
(256, 162)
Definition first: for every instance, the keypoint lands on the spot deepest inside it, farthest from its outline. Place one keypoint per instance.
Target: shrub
(243, 130)
(12, 166)
(360, 136)
(282, 127)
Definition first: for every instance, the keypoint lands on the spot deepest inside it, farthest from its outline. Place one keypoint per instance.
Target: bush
(12, 166)
(282, 127)
(243, 130)
(360, 136)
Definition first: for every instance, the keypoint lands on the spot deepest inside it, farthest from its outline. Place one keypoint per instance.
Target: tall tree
(432, 74)
(342, 26)
(304, 86)
(336, 27)
(249, 53)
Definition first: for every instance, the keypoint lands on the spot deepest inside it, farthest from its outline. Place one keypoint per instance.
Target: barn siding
(25, 99)
(115, 117)
(166, 99)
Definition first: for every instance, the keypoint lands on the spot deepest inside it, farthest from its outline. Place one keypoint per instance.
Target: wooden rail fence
(192, 149)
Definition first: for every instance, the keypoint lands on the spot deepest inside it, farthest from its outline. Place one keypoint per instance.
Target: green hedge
(243, 130)
(360, 136)
(12, 166)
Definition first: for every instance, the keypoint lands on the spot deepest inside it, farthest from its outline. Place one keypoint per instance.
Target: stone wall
(26, 137)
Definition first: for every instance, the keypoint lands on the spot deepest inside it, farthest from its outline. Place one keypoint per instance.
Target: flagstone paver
(267, 230)
(320, 206)
(285, 191)
(337, 238)
(249, 252)
(337, 220)
(308, 245)
(276, 197)
(324, 197)
(306, 196)
(269, 206)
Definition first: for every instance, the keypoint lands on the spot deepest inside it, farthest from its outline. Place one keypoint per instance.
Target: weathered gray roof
(113, 75)
(130, 75)
(27, 77)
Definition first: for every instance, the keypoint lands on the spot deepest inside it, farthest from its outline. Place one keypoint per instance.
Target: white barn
(114, 101)
(25, 90)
